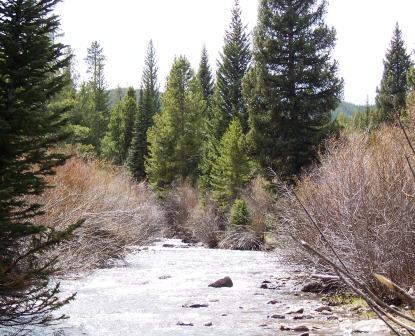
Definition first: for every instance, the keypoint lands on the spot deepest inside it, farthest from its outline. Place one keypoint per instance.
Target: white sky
(181, 27)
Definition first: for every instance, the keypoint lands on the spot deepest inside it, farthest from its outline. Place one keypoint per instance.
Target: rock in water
(225, 282)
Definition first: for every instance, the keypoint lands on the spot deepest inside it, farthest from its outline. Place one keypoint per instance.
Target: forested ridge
(261, 153)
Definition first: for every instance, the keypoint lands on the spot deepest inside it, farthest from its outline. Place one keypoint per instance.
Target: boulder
(221, 283)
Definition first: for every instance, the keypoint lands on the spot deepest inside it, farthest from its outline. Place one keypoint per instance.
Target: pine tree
(130, 110)
(175, 140)
(205, 76)
(391, 97)
(32, 74)
(112, 146)
(100, 114)
(232, 67)
(232, 167)
(148, 107)
(293, 85)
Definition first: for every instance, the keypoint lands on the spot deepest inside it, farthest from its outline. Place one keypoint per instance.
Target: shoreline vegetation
(250, 158)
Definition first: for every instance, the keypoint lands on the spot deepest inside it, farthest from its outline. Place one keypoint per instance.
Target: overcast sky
(181, 27)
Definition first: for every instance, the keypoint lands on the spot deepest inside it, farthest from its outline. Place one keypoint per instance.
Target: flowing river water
(151, 293)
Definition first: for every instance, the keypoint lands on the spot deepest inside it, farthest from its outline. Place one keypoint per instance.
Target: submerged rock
(185, 324)
(195, 306)
(273, 302)
(221, 283)
(165, 277)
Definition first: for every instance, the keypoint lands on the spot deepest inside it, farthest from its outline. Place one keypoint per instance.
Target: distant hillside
(348, 109)
(113, 94)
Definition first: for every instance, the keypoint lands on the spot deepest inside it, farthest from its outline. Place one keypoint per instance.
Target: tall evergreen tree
(148, 107)
(391, 97)
(232, 167)
(205, 76)
(293, 86)
(175, 140)
(31, 75)
(100, 114)
(232, 67)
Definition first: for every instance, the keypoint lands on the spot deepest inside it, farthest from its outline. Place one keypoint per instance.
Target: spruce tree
(232, 167)
(391, 97)
(148, 107)
(100, 114)
(293, 85)
(232, 67)
(32, 74)
(130, 111)
(175, 140)
(205, 76)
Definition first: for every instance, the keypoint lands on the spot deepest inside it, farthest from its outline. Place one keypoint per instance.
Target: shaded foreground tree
(31, 74)
(293, 86)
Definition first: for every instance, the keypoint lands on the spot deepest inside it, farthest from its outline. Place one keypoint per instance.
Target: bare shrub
(260, 204)
(117, 212)
(200, 220)
(205, 224)
(244, 239)
(179, 205)
(361, 197)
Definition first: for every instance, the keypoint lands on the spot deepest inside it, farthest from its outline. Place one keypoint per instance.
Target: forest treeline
(203, 140)
(268, 107)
